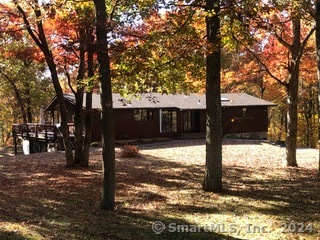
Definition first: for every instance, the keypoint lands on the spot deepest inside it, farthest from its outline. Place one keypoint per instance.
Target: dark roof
(180, 101)
(184, 102)
(54, 102)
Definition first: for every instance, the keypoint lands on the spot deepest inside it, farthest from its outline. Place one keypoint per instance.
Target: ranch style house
(155, 115)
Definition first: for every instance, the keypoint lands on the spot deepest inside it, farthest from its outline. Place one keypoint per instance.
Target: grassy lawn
(262, 199)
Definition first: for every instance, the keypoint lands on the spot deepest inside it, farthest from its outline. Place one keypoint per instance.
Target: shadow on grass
(60, 203)
(44, 198)
(9, 151)
(293, 193)
(196, 142)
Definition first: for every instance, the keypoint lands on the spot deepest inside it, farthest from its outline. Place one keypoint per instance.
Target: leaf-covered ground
(262, 199)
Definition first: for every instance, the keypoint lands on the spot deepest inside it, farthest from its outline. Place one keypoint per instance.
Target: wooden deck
(37, 137)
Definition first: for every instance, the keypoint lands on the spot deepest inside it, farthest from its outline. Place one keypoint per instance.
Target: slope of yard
(41, 199)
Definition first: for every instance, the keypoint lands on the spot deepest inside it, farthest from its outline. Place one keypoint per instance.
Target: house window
(244, 112)
(168, 121)
(150, 115)
(56, 117)
(187, 121)
(140, 114)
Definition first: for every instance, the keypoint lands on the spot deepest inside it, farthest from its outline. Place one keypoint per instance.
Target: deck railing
(34, 130)
(41, 134)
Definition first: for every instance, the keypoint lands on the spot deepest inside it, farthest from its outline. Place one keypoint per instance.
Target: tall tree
(295, 48)
(292, 89)
(277, 18)
(75, 21)
(213, 168)
(88, 117)
(23, 88)
(40, 39)
(107, 122)
(317, 18)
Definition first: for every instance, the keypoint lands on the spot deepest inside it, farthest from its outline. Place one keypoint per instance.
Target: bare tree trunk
(292, 116)
(28, 101)
(18, 96)
(41, 42)
(63, 113)
(88, 130)
(317, 16)
(88, 118)
(79, 111)
(308, 130)
(314, 132)
(108, 152)
(213, 168)
(78, 125)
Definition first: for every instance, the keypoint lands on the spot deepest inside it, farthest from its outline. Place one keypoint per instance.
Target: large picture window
(143, 114)
(168, 121)
(140, 115)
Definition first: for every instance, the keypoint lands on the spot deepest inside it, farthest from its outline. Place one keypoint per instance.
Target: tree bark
(18, 96)
(213, 168)
(317, 16)
(41, 42)
(88, 117)
(292, 115)
(78, 126)
(63, 113)
(79, 111)
(88, 130)
(28, 101)
(108, 152)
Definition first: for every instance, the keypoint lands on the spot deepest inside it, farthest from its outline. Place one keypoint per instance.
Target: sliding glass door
(168, 121)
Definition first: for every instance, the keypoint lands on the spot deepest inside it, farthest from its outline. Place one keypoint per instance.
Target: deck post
(45, 133)
(27, 130)
(55, 133)
(14, 141)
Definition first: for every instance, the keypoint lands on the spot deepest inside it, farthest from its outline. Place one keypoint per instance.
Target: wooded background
(161, 46)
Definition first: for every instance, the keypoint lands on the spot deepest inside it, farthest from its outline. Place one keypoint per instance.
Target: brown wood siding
(202, 121)
(256, 120)
(127, 128)
(96, 126)
(179, 121)
(234, 121)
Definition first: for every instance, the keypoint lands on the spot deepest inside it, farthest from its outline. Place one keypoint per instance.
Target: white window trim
(160, 116)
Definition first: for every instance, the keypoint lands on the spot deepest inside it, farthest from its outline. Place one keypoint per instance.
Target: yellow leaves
(210, 13)
(20, 230)
(229, 76)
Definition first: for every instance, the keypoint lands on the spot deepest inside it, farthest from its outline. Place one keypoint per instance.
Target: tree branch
(304, 43)
(18, 96)
(285, 84)
(113, 10)
(185, 23)
(28, 25)
(68, 78)
(194, 4)
(282, 41)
